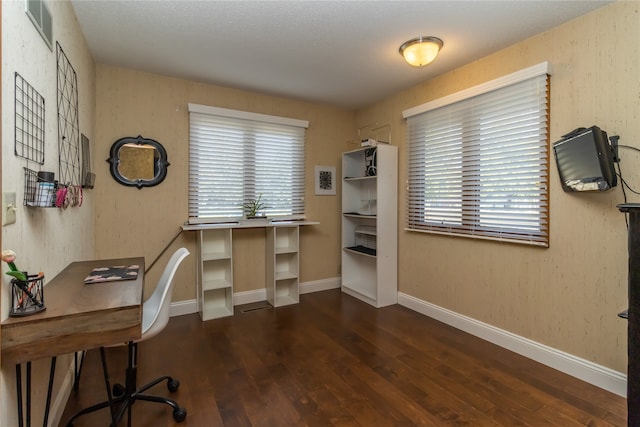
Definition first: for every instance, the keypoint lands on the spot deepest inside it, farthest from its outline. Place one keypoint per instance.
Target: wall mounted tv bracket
(613, 139)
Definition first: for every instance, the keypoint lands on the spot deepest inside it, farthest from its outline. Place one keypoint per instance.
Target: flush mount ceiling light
(421, 51)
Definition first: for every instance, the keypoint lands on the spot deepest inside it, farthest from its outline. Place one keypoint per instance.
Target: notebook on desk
(110, 274)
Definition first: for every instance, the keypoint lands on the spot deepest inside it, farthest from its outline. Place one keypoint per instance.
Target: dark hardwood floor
(333, 360)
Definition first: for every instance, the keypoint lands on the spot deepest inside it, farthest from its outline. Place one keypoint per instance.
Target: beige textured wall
(45, 239)
(566, 296)
(141, 222)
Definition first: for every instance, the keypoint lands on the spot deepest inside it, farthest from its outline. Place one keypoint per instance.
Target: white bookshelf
(370, 225)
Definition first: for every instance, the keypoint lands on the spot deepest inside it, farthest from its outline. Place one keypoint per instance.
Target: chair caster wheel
(118, 390)
(179, 415)
(173, 385)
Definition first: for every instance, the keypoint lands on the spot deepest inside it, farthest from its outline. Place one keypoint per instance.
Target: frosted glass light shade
(421, 51)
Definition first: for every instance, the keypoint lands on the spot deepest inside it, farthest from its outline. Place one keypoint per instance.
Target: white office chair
(155, 316)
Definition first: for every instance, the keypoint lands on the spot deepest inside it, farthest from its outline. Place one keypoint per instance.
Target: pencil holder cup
(27, 296)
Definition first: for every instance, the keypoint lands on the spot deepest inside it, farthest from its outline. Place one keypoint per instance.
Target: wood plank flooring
(333, 360)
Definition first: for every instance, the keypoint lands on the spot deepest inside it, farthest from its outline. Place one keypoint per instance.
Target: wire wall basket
(39, 189)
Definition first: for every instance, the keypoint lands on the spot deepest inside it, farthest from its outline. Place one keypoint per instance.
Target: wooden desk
(78, 317)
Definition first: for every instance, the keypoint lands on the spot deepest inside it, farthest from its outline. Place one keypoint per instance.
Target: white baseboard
(180, 308)
(248, 297)
(320, 285)
(600, 376)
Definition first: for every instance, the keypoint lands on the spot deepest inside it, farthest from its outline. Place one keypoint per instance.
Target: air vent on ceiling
(39, 14)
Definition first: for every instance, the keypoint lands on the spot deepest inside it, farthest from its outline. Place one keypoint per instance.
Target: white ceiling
(344, 53)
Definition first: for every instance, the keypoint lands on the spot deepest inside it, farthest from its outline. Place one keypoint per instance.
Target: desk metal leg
(19, 394)
(52, 372)
(28, 394)
(107, 383)
(21, 412)
(112, 401)
(132, 376)
(78, 369)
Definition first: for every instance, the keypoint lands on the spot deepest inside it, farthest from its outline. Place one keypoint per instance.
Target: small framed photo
(325, 180)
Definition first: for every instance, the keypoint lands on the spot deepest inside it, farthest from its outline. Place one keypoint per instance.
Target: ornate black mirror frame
(160, 162)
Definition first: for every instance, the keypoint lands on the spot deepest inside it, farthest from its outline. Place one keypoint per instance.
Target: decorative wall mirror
(138, 162)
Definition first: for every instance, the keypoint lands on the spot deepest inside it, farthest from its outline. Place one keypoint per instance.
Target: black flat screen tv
(585, 160)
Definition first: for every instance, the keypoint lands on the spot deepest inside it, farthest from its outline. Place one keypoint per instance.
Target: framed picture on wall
(325, 180)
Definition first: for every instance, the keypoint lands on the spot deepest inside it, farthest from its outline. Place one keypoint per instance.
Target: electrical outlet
(8, 208)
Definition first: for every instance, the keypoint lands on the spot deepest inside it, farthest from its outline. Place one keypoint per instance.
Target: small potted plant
(253, 207)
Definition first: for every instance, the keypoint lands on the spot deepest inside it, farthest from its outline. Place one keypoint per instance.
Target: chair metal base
(122, 398)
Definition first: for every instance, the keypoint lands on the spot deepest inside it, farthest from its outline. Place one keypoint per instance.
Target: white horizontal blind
(479, 167)
(235, 159)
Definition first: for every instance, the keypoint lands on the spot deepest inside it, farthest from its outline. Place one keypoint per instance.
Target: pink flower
(8, 256)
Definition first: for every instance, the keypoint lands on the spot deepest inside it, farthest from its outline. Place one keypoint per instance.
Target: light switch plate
(8, 208)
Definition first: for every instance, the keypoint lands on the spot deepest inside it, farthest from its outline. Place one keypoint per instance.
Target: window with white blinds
(235, 156)
(478, 161)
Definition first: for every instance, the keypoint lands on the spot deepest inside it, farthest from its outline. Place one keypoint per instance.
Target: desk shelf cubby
(215, 273)
(282, 266)
(215, 281)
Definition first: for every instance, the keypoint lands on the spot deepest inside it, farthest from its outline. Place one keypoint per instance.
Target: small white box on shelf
(371, 142)
(368, 143)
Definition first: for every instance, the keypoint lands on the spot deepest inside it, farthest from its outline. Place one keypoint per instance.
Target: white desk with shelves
(215, 263)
